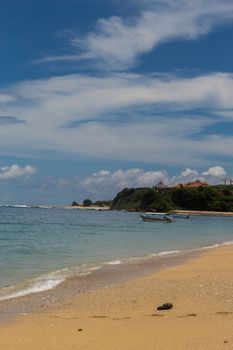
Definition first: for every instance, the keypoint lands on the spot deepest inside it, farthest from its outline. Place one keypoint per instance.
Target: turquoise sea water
(39, 248)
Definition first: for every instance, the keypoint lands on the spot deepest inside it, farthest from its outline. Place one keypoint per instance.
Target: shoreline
(124, 316)
(102, 275)
(108, 274)
(53, 287)
(107, 208)
(202, 212)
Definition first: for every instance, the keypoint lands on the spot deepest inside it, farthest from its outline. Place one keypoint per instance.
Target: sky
(100, 95)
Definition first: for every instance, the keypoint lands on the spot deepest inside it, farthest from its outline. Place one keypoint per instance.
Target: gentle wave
(216, 245)
(36, 287)
(46, 282)
(25, 206)
(113, 262)
(52, 280)
(169, 252)
(14, 206)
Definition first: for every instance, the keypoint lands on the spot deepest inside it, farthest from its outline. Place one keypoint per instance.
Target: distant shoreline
(91, 207)
(202, 212)
(106, 208)
(54, 206)
(176, 211)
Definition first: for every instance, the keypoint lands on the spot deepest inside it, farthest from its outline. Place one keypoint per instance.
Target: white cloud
(116, 117)
(117, 43)
(79, 97)
(119, 179)
(105, 182)
(216, 171)
(6, 98)
(186, 176)
(13, 171)
(189, 172)
(212, 175)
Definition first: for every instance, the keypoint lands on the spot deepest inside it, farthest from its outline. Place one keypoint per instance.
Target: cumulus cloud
(123, 178)
(216, 171)
(186, 176)
(212, 175)
(189, 172)
(117, 43)
(106, 182)
(14, 171)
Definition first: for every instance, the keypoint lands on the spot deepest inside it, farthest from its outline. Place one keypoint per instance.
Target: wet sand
(125, 316)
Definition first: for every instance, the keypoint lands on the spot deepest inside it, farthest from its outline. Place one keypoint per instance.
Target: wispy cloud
(87, 103)
(117, 43)
(6, 119)
(5, 98)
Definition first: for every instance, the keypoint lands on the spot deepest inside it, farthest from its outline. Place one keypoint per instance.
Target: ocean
(40, 248)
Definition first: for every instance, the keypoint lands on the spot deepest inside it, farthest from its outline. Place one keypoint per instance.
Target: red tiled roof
(196, 183)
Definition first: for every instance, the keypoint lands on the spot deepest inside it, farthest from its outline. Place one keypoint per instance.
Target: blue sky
(99, 95)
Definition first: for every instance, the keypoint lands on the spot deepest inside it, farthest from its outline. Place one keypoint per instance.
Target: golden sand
(125, 316)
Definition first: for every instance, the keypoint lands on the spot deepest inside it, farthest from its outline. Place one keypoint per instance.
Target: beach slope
(125, 316)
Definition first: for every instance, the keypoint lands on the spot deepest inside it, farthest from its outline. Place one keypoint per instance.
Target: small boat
(154, 218)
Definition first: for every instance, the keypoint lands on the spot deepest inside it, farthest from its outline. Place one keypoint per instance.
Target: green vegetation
(103, 203)
(87, 202)
(211, 198)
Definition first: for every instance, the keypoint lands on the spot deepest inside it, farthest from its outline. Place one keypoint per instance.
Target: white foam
(113, 262)
(94, 268)
(36, 287)
(169, 252)
(210, 246)
(16, 206)
(20, 206)
(46, 282)
(55, 278)
(215, 245)
(228, 243)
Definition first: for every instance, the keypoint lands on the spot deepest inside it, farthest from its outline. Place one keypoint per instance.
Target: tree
(87, 202)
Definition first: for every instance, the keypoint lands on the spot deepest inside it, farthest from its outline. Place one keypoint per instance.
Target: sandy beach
(202, 212)
(125, 316)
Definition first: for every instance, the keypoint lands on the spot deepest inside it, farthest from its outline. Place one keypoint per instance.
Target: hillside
(211, 198)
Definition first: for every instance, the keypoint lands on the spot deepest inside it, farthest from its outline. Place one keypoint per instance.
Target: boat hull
(156, 219)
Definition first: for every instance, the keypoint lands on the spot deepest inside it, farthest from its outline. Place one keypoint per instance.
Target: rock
(166, 306)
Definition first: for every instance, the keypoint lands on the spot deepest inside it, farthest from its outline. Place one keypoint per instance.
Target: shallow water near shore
(41, 248)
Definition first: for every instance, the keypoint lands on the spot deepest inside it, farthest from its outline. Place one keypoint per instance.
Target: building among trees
(196, 183)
